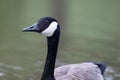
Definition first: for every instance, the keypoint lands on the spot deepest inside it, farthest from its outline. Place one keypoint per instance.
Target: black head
(46, 26)
(101, 66)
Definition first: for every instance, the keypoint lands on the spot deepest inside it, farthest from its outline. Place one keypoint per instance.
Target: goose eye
(46, 21)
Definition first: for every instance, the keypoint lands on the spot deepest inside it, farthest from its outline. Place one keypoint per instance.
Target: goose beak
(33, 28)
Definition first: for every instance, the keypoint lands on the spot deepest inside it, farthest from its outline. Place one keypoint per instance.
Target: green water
(91, 34)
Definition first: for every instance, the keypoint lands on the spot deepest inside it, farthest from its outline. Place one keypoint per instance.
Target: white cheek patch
(50, 30)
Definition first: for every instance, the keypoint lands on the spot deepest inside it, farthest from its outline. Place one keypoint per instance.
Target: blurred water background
(90, 32)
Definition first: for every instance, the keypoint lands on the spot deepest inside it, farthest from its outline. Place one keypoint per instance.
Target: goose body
(50, 28)
(81, 71)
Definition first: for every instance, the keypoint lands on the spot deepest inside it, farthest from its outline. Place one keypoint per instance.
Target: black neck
(48, 73)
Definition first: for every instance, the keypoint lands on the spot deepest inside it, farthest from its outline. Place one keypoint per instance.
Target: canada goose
(50, 28)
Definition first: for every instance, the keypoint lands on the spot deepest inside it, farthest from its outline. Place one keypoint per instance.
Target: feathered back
(83, 71)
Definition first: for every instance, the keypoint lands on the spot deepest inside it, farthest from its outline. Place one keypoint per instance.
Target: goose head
(47, 26)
